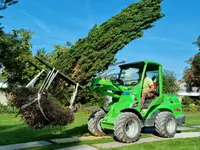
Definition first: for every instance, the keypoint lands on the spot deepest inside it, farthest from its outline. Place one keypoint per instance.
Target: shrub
(186, 100)
(191, 104)
(7, 109)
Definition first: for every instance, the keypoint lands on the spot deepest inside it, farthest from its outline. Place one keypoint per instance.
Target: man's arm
(151, 87)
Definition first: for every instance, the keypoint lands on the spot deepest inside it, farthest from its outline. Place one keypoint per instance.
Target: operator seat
(148, 101)
(156, 83)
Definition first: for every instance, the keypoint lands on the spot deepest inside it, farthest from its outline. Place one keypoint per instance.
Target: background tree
(14, 51)
(41, 53)
(192, 73)
(53, 56)
(58, 51)
(170, 85)
(3, 5)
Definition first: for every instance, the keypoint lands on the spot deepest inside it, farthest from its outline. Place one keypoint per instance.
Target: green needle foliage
(94, 53)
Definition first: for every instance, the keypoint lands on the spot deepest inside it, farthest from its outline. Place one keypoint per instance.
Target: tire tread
(119, 126)
(160, 124)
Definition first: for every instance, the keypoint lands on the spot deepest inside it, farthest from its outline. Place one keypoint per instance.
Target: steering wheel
(119, 81)
(131, 81)
(134, 82)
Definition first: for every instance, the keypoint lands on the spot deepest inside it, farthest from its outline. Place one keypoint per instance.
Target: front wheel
(127, 127)
(94, 123)
(165, 124)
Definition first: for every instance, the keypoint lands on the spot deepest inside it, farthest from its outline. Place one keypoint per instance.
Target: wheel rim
(99, 125)
(171, 125)
(132, 128)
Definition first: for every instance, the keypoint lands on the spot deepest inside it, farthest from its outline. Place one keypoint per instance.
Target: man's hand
(151, 89)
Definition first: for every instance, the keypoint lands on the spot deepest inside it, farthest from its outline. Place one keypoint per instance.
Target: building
(183, 90)
(3, 84)
(3, 98)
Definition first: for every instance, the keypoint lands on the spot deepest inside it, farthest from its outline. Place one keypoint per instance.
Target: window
(130, 76)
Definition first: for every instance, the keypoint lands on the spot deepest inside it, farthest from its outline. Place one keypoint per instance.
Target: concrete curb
(84, 138)
(79, 147)
(24, 145)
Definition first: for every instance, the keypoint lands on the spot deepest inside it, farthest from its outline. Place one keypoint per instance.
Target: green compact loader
(124, 116)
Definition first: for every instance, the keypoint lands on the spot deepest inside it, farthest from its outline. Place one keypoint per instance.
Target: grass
(13, 130)
(178, 144)
(192, 118)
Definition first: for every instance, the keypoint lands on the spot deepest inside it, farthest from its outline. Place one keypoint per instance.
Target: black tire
(93, 123)
(162, 127)
(120, 128)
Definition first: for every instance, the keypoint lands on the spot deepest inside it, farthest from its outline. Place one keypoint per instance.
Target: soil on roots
(53, 113)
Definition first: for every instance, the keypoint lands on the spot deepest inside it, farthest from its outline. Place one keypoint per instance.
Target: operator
(148, 90)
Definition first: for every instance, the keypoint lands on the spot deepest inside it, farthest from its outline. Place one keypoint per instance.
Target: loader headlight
(134, 96)
(135, 104)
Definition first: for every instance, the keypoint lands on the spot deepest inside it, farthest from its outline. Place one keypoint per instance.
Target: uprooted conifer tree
(94, 53)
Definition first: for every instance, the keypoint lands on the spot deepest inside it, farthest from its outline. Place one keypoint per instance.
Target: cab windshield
(130, 76)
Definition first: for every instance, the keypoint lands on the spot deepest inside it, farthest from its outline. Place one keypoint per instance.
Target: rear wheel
(165, 124)
(127, 127)
(94, 123)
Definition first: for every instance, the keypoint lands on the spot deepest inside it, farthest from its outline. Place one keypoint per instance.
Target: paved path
(84, 138)
(24, 145)
(104, 145)
(195, 126)
(147, 140)
(80, 147)
(58, 141)
(185, 128)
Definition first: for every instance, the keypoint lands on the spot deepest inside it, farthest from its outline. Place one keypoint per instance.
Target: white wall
(182, 91)
(3, 99)
(3, 84)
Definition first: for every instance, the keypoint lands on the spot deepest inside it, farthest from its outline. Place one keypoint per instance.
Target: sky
(56, 22)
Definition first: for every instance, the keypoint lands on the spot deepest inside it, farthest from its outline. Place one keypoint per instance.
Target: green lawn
(192, 118)
(178, 144)
(13, 130)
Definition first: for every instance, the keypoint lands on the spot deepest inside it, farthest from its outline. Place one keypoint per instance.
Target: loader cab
(133, 74)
